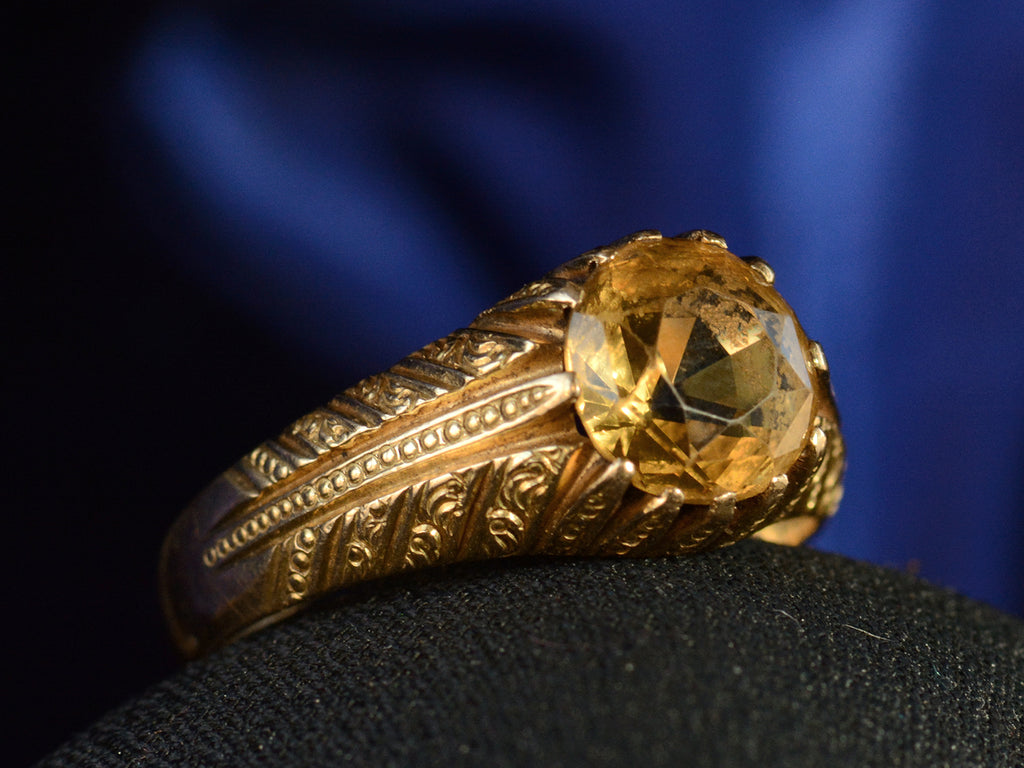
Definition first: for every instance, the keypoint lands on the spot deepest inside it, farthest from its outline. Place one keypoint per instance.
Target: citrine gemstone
(691, 366)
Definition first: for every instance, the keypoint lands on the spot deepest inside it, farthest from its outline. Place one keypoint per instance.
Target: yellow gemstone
(693, 368)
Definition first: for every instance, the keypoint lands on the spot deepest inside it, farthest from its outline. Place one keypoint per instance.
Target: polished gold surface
(470, 448)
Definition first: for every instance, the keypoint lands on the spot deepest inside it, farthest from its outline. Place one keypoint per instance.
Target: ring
(653, 397)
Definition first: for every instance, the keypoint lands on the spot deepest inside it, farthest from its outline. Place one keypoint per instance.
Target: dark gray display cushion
(753, 656)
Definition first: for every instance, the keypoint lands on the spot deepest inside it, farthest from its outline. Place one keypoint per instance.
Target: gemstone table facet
(692, 367)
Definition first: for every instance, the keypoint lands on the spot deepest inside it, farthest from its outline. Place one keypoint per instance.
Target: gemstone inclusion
(692, 368)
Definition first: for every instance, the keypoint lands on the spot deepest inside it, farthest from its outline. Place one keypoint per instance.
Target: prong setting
(762, 268)
(776, 489)
(722, 508)
(643, 234)
(671, 496)
(705, 236)
(818, 357)
(818, 441)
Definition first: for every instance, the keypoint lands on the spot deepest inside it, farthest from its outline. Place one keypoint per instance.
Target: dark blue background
(232, 211)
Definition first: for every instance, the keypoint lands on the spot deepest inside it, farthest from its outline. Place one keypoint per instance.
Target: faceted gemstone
(693, 368)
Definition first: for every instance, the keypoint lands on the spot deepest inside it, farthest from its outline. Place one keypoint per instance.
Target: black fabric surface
(753, 656)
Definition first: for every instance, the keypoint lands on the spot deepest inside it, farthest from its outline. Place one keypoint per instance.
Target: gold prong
(568, 295)
(671, 497)
(618, 474)
(643, 234)
(704, 236)
(818, 357)
(762, 268)
(573, 387)
(723, 507)
(776, 488)
(818, 441)
(591, 260)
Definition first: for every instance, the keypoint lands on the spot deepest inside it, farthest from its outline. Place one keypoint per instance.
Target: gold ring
(656, 396)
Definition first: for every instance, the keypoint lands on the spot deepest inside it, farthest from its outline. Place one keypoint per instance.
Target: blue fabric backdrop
(366, 178)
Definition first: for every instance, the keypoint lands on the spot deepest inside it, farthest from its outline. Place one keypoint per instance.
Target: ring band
(652, 397)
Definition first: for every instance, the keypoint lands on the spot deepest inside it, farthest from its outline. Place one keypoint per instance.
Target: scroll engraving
(322, 430)
(695, 531)
(590, 509)
(469, 353)
(471, 423)
(526, 483)
(364, 537)
(476, 353)
(635, 531)
(506, 529)
(424, 546)
(388, 394)
(436, 529)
